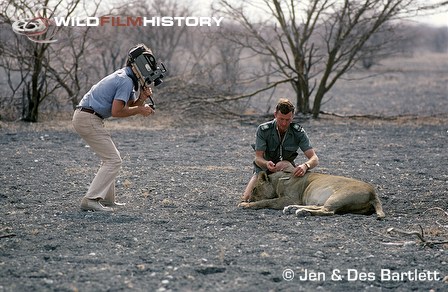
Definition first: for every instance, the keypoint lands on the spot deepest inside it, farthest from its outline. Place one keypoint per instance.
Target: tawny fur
(315, 194)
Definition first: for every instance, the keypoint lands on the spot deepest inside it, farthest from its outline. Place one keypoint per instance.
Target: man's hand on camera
(145, 110)
(145, 92)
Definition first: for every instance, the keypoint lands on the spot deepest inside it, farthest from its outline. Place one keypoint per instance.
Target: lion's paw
(303, 213)
(244, 205)
(289, 209)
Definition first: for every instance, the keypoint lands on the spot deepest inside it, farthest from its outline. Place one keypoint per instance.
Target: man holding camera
(113, 96)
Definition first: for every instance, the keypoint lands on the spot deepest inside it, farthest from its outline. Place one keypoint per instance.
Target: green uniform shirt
(268, 140)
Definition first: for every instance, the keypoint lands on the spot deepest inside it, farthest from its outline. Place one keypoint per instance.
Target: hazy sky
(439, 19)
(202, 8)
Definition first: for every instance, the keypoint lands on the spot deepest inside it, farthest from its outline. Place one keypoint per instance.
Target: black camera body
(145, 66)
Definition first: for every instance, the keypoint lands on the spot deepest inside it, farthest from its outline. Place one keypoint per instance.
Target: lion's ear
(263, 176)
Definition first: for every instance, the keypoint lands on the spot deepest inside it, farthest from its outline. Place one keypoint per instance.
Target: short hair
(284, 106)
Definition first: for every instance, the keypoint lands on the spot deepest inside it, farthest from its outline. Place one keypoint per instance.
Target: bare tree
(13, 75)
(32, 57)
(167, 42)
(312, 43)
(70, 69)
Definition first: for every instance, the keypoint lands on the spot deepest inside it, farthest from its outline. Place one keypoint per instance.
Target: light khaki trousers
(91, 129)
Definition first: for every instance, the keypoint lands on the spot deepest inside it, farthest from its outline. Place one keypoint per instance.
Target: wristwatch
(308, 165)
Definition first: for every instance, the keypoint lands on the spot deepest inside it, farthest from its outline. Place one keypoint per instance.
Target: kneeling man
(277, 143)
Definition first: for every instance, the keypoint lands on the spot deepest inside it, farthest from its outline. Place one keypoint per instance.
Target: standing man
(276, 146)
(113, 96)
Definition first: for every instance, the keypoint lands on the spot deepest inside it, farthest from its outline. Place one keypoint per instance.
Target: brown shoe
(112, 204)
(94, 205)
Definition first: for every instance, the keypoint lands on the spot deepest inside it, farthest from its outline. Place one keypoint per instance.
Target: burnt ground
(181, 229)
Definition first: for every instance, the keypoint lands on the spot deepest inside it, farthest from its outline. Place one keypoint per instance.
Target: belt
(90, 111)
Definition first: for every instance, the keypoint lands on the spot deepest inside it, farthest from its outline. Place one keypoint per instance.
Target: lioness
(315, 194)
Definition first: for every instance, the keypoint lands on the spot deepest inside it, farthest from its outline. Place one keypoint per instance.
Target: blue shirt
(117, 85)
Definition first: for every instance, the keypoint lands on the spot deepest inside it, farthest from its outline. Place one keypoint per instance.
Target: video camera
(145, 67)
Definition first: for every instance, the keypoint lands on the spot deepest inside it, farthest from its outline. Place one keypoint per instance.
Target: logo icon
(38, 29)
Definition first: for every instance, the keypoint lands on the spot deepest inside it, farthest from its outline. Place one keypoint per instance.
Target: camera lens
(157, 82)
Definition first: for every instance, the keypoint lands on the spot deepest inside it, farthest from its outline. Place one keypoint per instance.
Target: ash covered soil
(181, 229)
